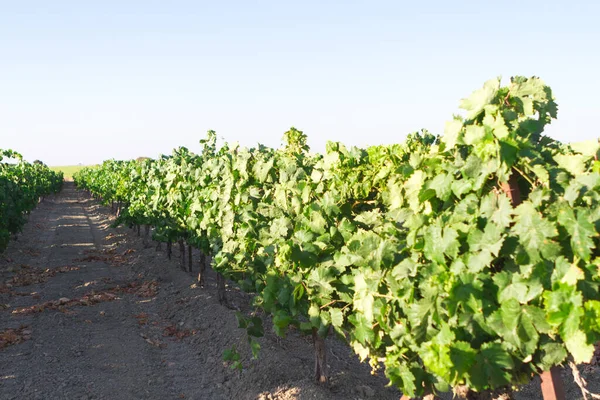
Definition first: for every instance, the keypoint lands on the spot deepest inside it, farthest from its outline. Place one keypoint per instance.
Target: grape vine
(467, 259)
(22, 184)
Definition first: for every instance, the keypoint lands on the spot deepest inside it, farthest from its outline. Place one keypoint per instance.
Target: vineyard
(468, 261)
(22, 186)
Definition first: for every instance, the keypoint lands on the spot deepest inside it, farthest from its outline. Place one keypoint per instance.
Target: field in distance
(68, 170)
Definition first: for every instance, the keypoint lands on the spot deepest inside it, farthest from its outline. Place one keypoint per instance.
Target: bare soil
(87, 312)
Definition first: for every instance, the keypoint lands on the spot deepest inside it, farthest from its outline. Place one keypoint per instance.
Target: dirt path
(85, 351)
(110, 319)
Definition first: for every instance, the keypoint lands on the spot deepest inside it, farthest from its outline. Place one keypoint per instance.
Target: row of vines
(22, 185)
(469, 259)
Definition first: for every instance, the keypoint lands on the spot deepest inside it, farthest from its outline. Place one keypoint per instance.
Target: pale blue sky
(82, 81)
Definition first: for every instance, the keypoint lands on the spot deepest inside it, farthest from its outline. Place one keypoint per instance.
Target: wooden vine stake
(552, 384)
(321, 373)
(146, 241)
(181, 254)
(204, 260)
(221, 292)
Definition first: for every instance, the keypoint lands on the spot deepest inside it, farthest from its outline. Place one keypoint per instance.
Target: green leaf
(564, 309)
(396, 199)
(442, 185)
(451, 133)
(337, 317)
(589, 148)
(436, 353)
(405, 376)
(580, 349)
(462, 357)
(343, 260)
(262, 169)
(502, 215)
(591, 319)
(542, 173)
(242, 321)
(573, 163)
(439, 242)
(321, 276)
(476, 262)
(280, 227)
(317, 222)
(460, 187)
(255, 347)
(497, 125)
(363, 329)
(473, 167)
(314, 313)
(533, 230)
(509, 152)
(573, 275)
(256, 328)
(370, 218)
(412, 187)
(581, 230)
(419, 314)
(492, 367)
(231, 354)
(474, 134)
(475, 103)
(364, 304)
(490, 240)
(404, 269)
(552, 354)
(515, 323)
(497, 208)
(517, 291)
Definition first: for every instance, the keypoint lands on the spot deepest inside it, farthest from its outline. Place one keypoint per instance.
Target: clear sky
(82, 81)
